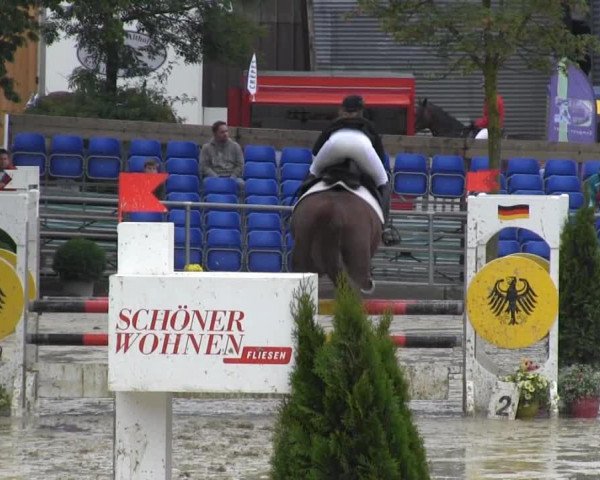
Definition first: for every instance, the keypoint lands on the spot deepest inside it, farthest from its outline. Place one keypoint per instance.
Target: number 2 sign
(504, 401)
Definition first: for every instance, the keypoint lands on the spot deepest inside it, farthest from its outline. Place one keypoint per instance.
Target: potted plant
(79, 263)
(534, 389)
(579, 390)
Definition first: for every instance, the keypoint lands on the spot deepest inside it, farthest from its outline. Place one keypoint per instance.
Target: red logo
(263, 355)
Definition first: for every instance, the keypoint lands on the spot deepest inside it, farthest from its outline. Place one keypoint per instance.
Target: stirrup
(371, 289)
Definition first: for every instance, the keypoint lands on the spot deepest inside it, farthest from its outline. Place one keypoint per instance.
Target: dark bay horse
(334, 231)
(439, 122)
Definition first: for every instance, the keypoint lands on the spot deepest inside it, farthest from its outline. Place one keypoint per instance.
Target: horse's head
(423, 117)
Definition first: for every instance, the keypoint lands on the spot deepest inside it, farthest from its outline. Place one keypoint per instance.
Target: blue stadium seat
(263, 221)
(566, 184)
(224, 185)
(522, 165)
(260, 170)
(145, 217)
(221, 198)
(289, 188)
(179, 260)
(560, 167)
(29, 150)
(224, 250)
(265, 252)
(66, 156)
(103, 158)
(295, 155)
(507, 247)
(145, 148)
(524, 236)
(386, 162)
(182, 149)
(260, 200)
(135, 163)
(222, 220)
(508, 233)
(294, 171)
(525, 183)
(259, 153)
(182, 183)
(261, 186)
(177, 216)
(447, 176)
(537, 247)
(590, 167)
(410, 174)
(597, 224)
(182, 166)
(479, 163)
(195, 237)
(183, 197)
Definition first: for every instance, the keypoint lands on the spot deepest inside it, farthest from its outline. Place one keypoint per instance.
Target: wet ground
(231, 439)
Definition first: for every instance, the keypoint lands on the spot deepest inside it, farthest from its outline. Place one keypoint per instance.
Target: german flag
(513, 212)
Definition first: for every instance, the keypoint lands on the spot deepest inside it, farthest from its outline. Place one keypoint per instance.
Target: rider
(353, 136)
(483, 122)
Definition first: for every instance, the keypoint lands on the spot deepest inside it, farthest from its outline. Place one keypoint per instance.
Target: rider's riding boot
(390, 235)
(306, 184)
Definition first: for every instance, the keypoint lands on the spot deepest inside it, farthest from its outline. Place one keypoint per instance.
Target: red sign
(136, 192)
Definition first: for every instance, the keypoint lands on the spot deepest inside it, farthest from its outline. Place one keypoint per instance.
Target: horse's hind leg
(357, 260)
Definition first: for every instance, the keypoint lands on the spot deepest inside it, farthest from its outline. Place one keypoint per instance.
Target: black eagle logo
(517, 297)
(2, 297)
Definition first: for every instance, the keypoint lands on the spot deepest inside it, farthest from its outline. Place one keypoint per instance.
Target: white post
(143, 420)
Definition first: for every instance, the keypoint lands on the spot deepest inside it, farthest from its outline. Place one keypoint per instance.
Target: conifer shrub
(579, 286)
(347, 415)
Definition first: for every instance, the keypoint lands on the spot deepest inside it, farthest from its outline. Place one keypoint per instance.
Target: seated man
(352, 136)
(222, 157)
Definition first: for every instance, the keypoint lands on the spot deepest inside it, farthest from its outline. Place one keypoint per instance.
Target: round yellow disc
(536, 258)
(11, 299)
(512, 302)
(11, 257)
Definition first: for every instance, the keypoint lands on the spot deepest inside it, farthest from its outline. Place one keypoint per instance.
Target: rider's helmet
(353, 103)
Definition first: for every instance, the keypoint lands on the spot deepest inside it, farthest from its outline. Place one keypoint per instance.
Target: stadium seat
(135, 163)
(447, 176)
(260, 200)
(221, 198)
(479, 163)
(265, 251)
(560, 167)
(145, 217)
(177, 216)
(263, 221)
(570, 185)
(224, 185)
(182, 183)
(261, 186)
(525, 183)
(289, 188)
(29, 150)
(195, 237)
(224, 250)
(524, 235)
(295, 155)
(179, 260)
(183, 197)
(103, 161)
(410, 174)
(507, 247)
(538, 247)
(260, 170)
(294, 171)
(182, 166)
(182, 149)
(522, 165)
(259, 153)
(590, 167)
(223, 220)
(145, 148)
(66, 156)
(508, 233)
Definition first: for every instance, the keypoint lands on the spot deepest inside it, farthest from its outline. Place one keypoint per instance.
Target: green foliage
(6, 242)
(481, 36)
(79, 259)
(579, 325)
(5, 401)
(533, 386)
(578, 381)
(350, 398)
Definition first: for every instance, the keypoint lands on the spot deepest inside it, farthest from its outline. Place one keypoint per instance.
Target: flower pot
(527, 411)
(78, 288)
(586, 407)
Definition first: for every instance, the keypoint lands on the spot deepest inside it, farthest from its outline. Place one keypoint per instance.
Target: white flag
(252, 77)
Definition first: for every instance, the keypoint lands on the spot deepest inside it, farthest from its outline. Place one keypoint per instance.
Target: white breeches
(482, 134)
(348, 143)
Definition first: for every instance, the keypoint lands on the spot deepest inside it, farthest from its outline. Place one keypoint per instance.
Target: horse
(336, 231)
(439, 122)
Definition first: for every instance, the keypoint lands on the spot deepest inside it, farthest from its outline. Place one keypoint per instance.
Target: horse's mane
(445, 118)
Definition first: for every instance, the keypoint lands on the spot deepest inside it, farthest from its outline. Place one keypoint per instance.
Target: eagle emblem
(2, 297)
(514, 298)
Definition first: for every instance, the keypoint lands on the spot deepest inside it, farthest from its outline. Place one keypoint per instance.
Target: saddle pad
(361, 192)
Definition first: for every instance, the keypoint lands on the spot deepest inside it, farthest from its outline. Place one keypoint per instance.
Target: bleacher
(247, 240)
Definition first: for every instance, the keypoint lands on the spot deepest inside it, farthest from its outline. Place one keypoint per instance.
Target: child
(151, 166)
(5, 164)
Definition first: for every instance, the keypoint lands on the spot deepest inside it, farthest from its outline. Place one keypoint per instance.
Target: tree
(579, 309)
(482, 35)
(19, 23)
(192, 28)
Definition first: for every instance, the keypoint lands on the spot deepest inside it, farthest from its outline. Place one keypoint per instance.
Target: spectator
(151, 166)
(482, 123)
(5, 164)
(222, 157)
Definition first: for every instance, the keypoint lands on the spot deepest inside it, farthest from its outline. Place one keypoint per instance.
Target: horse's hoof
(371, 288)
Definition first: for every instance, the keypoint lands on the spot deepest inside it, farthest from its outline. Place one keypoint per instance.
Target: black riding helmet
(353, 103)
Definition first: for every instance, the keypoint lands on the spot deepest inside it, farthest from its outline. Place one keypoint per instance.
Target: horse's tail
(326, 247)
